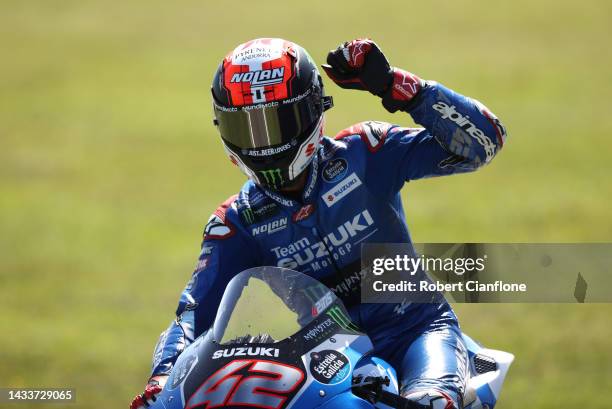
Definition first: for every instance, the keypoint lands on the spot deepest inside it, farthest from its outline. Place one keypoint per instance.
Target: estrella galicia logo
(329, 366)
(334, 170)
(273, 177)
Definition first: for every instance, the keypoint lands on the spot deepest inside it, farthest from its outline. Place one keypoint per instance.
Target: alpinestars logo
(260, 78)
(303, 213)
(450, 113)
(271, 227)
(406, 84)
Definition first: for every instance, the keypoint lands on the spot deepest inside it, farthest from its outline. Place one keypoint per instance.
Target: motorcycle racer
(311, 200)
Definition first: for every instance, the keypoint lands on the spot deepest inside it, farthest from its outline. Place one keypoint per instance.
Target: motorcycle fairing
(205, 357)
(484, 384)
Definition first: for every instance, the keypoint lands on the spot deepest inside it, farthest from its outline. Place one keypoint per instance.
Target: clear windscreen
(269, 301)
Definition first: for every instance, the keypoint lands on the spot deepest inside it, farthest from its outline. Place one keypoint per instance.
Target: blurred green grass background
(110, 167)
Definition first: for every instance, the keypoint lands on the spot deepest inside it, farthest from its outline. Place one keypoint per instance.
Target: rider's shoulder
(222, 224)
(236, 216)
(371, 134)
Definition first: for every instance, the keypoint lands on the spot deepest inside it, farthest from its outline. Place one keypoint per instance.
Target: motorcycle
(282, 340)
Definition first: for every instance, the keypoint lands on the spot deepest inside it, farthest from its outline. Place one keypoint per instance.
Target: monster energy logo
(337, 314)
(273, 177)
(248, 215)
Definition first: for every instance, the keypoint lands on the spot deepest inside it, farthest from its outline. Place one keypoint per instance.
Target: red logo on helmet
(310, 149)
(259, 71)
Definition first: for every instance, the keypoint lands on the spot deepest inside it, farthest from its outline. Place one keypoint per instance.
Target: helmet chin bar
(295, 181)
(287, 177)
(307, 151)
(235, 159)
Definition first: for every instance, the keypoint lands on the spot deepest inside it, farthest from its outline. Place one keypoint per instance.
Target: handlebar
(371, 389)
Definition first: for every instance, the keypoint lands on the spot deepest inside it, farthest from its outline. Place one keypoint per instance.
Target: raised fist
(359, 64)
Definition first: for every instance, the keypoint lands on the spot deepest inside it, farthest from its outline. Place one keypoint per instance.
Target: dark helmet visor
(269, 124)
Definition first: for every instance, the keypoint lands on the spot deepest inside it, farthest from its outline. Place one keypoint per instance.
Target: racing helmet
(268, 104)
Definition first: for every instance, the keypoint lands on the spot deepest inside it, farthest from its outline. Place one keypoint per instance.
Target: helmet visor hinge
(328, 102)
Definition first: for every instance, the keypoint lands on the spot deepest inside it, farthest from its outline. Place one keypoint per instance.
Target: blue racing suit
(352, 196)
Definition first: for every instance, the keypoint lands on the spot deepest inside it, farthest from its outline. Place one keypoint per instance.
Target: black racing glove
(360, 64)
